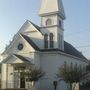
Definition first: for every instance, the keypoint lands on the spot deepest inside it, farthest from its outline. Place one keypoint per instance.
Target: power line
(84, 51)
(87, 51)
(83, 46)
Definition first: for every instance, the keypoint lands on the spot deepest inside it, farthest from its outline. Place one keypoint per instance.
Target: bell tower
(52, 17)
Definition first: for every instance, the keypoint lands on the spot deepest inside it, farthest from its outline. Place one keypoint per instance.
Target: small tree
(33, 74)
(70, 74)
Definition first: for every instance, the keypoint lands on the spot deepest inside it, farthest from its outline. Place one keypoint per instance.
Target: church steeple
(51, 7)
(52, 17)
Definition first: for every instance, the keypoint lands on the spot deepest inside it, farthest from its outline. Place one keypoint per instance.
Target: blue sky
(13, 13)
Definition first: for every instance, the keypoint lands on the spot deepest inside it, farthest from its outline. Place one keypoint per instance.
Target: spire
(52, 7)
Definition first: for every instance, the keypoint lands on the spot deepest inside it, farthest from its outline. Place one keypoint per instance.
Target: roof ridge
(68, 48)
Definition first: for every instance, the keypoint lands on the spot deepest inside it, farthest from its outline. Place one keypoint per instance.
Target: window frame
(51, 40)
(48, 22)
(46, 41)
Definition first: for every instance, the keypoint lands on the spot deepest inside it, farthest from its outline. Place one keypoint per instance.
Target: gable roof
(19, 33)
(68, 48)
(22, 58)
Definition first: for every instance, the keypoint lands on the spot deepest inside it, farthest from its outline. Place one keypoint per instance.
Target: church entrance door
(22, 81)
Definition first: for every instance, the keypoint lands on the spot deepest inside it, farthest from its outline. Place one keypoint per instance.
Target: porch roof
(20, 57)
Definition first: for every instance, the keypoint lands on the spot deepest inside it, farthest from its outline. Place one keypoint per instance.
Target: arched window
(51, 40)
(48, 22)
(46, 40)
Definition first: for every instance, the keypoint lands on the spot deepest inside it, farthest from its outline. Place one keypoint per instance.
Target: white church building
(43, 46)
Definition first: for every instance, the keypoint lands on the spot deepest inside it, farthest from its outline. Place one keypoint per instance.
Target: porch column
(4, 76)
(10, 76)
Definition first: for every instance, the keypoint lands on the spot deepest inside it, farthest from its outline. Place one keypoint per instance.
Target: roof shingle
(68, 48)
